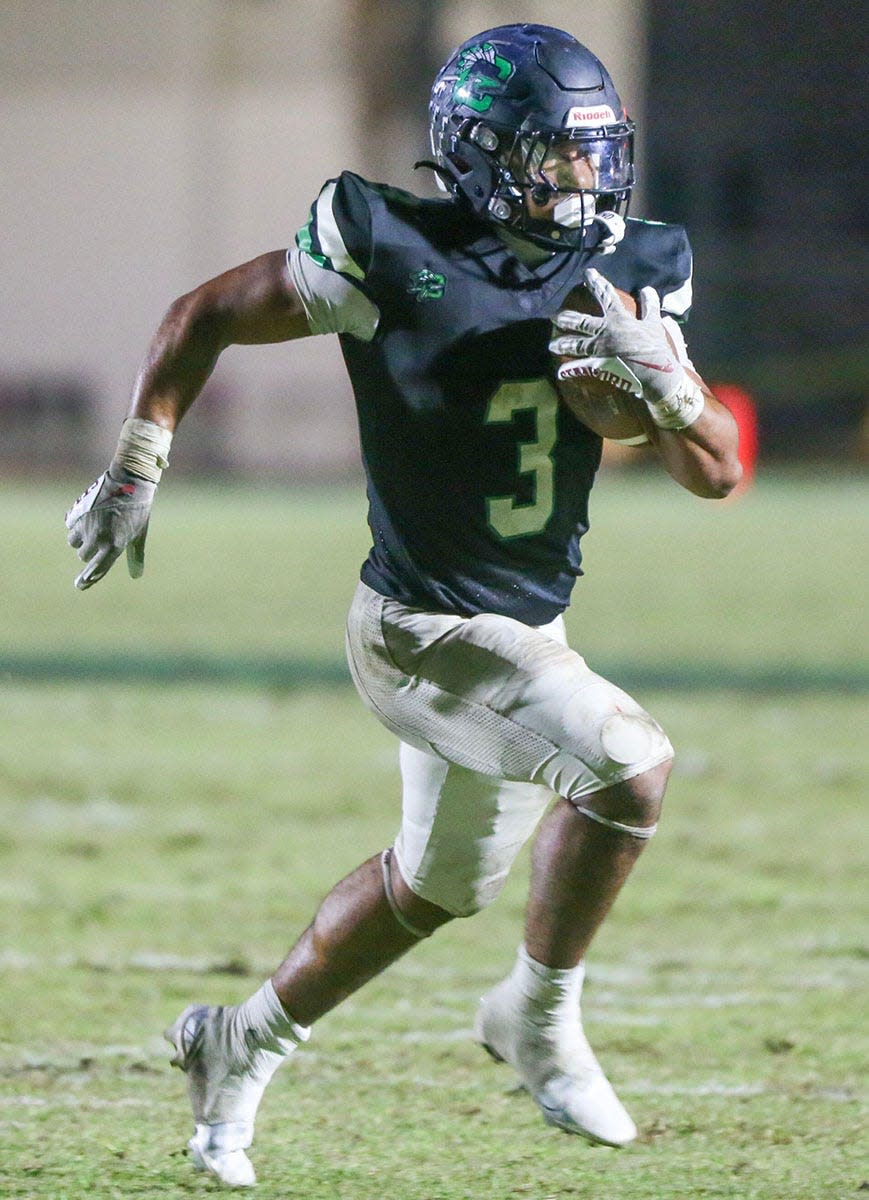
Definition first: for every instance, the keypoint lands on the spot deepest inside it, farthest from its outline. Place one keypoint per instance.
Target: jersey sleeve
(331, 259)
(337, 234)
(332, 303)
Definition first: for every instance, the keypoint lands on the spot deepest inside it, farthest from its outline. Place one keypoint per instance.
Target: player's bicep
(256, 302)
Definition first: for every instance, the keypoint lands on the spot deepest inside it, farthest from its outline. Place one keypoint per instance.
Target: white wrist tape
(143, 448)
(680, 409)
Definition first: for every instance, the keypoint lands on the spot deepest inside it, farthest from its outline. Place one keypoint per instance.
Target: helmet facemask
(590, 171)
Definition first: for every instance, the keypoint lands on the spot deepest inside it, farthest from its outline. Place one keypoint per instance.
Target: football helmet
(522, 114)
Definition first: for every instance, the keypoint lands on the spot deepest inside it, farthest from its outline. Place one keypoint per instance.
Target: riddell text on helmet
(590, 116)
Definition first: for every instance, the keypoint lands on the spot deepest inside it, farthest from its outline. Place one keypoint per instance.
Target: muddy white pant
(494, 717)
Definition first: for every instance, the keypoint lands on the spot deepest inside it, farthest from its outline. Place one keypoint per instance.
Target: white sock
(547, 993)
(262, 1023)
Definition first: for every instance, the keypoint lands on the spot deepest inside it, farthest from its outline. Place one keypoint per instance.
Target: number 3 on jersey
(505, 514)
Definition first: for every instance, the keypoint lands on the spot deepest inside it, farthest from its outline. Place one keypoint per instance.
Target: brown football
(610, 411)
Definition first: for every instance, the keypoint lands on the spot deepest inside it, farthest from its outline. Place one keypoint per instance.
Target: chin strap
(443, 175)
(611, 230)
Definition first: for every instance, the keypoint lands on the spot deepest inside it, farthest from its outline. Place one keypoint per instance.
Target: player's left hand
(110, 517)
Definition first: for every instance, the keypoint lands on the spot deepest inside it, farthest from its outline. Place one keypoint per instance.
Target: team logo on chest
(427, 285)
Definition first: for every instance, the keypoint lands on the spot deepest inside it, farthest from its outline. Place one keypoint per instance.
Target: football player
(452, 322)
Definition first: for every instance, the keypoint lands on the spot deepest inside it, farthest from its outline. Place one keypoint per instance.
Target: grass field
(184, 772)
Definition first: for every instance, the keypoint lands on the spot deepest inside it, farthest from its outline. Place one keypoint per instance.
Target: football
(601, 400)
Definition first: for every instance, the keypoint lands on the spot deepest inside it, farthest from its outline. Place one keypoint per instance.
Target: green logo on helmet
(494, 72)
(427, 285)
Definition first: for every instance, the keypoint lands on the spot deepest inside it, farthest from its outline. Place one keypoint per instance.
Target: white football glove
(639, 343)
(111, 516)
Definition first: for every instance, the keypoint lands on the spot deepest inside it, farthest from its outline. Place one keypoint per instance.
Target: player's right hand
(111, 516)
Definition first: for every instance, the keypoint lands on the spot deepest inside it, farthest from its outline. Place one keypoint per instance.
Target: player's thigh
(461, 830)
(446, 683)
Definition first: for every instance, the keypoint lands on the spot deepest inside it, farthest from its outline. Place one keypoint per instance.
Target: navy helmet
(511, 102)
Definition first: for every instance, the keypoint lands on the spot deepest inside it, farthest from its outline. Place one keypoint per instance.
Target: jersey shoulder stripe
(337, 234)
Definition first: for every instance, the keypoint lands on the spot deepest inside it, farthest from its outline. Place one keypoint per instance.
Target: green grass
(164, 843)
(776, 579)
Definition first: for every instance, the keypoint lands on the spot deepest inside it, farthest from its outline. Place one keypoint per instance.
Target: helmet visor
(574, 163)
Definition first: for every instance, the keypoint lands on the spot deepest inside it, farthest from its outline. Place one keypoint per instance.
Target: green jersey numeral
(505, 514)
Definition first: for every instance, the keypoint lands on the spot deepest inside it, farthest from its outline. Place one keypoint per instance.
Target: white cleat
(555, 1063)
(224, 1089)
(231, 1167)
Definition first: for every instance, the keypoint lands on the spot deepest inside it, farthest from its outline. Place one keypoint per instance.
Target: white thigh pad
(497, 697)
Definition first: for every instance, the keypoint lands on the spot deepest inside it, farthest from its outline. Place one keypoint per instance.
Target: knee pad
(632, 738)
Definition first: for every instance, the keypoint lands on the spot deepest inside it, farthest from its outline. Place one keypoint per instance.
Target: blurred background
(147, 147)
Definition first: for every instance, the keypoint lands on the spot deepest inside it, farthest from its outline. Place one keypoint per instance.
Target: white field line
(640, 1087)
(636, 1019)
(616, 978)
(645, 1087)
(612, 973)
(80, 1102)
(688, 999)
(328, 1070)
(423, 1037)
(79, 1059)
(147, 960)
(608, 1007)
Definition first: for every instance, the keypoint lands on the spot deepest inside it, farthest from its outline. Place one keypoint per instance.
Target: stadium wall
(147, 147)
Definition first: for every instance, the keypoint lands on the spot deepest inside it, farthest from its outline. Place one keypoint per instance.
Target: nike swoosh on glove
(110, 517)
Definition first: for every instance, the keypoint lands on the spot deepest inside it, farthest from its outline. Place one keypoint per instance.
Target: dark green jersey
(478, 478)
